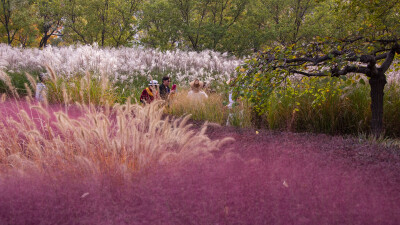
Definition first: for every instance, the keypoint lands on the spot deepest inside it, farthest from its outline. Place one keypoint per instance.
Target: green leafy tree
(123, 21)
(75, 23)
(107, 22)
(15, 16)
(193, 24)
(205, 23)
(370, 50)
(266, 22)
(159, 25)
(223, 14)
(50, 17)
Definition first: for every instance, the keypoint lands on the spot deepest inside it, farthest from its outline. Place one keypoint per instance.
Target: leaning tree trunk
(377, 84)
(43, 41)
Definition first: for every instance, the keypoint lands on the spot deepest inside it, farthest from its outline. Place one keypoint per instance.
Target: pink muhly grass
(127, 164)
(266, 179)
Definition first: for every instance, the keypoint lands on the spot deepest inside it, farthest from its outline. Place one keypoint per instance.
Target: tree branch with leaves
(261, 75)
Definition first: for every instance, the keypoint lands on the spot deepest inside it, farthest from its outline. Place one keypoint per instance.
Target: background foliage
(236, 26)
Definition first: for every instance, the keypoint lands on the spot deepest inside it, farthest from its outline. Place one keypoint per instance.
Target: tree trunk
(377, 84)
(104, 18)
(9, 41)
(43, 41)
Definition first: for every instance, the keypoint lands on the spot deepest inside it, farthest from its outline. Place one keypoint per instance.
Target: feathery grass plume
(31, 80)
(7, 80)
(125, 65)
(129, 139)
(52, 74)
(32, 84)
(42, 111)
(3, 98)
(29, 97)
(87, 89)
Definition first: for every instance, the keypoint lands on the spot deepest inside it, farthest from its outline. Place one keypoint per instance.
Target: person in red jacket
(150, 93)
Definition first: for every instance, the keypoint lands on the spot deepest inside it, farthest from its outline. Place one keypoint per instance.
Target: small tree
(16, 18)
(320, 58)
(49, 21)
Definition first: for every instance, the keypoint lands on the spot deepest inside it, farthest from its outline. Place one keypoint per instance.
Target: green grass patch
(84, 89)
(19, 82)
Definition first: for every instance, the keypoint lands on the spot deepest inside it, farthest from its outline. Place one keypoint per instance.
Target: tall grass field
(91, 153)
(92, 75)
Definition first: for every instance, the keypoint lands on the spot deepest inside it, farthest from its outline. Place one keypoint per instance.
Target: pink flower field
(262, 177)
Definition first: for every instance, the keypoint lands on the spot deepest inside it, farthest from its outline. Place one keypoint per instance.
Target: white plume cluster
(120, 63)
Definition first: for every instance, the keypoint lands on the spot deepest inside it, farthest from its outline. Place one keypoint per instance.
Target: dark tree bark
(377, 84)
(7, 20)
(104, 18)
(49, 30)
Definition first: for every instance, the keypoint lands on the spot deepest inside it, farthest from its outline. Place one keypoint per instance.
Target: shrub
(328, 106)
(13, 83)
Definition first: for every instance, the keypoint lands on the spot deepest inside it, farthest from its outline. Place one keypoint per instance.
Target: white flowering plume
(120, 63)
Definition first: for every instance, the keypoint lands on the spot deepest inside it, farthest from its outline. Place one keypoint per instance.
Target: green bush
(19, 81)
(331, 105)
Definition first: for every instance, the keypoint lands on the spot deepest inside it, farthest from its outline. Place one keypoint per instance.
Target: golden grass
(103, 139)
(121, 140)
(85, 89)
(211, 109)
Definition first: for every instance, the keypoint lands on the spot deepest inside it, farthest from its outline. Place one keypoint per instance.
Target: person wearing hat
(150, 93)
(195, 90)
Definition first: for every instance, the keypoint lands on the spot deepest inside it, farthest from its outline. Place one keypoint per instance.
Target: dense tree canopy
(237, 26)
(17, 21)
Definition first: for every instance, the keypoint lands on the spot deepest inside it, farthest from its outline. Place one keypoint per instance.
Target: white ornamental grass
(117, 63)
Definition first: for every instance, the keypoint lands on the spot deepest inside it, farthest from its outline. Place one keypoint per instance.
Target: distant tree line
(236, 26)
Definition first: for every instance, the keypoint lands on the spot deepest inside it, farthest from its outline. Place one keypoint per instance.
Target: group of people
(154, 91)
(149, 94)
(164, 92)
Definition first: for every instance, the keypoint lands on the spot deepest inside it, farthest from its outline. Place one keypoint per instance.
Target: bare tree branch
(388, 61)
(319, 74)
